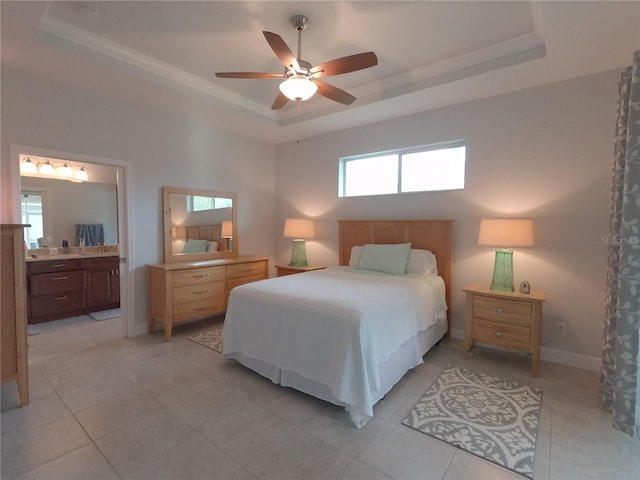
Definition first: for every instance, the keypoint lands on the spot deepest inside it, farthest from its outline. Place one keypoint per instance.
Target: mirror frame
(169, 257)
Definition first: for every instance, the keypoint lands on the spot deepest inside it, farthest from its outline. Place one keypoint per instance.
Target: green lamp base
(298, 254)
(503, 272)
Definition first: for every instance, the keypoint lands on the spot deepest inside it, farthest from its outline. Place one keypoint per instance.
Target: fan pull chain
(299, 139)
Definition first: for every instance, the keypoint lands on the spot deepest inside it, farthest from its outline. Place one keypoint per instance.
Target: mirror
(199, 225)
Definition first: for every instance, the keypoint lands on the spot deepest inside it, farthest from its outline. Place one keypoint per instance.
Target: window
(31, 212)
(419, 169)
(196, 203)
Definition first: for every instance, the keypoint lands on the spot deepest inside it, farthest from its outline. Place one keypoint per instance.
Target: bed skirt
(391, 371)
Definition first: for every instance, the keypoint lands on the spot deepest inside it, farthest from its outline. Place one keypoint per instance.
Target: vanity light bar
(47, 168)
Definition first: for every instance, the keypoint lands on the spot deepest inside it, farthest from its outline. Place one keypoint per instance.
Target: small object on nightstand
(282, 270)
(508, 320)
(525, 288)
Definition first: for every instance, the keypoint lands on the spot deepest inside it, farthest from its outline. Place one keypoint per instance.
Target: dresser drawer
(198, 308)
(49, 266)
(190, 293)
(195, 276)
(60, 282)
(508, 336)
(252, 270)
(501, 310)
(48, 305)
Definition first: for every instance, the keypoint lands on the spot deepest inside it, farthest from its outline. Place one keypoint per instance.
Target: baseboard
(552, 355)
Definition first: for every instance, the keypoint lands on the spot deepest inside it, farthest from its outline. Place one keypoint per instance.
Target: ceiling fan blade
(347, 64)
(334, 93)
(248, 75)
(282, 51)
(280, 101)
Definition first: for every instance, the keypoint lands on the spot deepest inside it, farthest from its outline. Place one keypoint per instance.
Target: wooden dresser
(508, 320)
(183, 291)
(13, 328)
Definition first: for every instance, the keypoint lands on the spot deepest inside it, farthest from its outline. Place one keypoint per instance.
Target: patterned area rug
(492, 418)
(211, 339)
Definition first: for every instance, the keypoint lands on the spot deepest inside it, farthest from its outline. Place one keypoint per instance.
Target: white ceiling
(431, 54)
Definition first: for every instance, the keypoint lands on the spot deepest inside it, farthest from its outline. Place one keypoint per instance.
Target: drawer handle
(498, 334)
(58, 265)
(60, 298)
(500, 310)
(201, 292)
(60, 278)
(202, 275)
(197, 309)
(244, 270)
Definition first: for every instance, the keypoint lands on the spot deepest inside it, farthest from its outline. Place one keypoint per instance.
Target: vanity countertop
(68, 256)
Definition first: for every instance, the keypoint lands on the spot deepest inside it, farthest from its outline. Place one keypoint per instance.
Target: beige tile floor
(105, 407)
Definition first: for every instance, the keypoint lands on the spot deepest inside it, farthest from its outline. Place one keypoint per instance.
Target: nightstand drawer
(502, 310)
(508, 336)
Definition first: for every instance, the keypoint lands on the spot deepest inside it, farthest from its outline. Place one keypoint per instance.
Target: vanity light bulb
(28, 166)
(65, 171)
(82, 175)
(47, 169)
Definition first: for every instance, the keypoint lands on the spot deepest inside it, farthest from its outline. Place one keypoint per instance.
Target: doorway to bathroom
(98, 197)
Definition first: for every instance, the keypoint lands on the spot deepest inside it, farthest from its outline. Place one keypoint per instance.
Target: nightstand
(509, 320)
(282, 270)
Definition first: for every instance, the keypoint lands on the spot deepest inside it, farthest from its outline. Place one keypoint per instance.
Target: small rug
(105, 314)
(487, 416)
(211, 339)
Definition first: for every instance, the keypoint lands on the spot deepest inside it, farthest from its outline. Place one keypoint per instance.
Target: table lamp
(227, 232)
(505, 232)
(298, 229)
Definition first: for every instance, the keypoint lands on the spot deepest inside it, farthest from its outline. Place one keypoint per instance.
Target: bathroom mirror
(199, 225)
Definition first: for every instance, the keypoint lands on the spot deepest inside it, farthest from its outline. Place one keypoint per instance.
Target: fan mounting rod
(300, 22)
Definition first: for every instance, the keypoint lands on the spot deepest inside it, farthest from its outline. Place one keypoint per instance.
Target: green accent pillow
(196, 246)
(385, 258)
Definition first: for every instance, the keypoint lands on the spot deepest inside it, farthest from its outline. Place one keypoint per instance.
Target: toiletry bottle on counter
(65, 244)
(82, 245)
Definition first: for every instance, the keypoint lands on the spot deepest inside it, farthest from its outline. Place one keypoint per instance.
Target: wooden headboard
(433, 235)
(205, 232)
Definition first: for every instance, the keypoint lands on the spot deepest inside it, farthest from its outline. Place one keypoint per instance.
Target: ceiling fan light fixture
(298, 87)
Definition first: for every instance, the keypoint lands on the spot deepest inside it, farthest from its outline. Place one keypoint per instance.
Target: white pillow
(422, 262)
(354, 260)
(213, 246)
(385, 258)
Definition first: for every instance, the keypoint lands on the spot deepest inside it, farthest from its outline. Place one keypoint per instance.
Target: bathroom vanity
(74, 284)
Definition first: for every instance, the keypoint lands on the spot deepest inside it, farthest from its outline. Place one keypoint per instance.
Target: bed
(343, 334)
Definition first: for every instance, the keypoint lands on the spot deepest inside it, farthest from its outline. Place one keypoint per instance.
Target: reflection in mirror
(199, 225)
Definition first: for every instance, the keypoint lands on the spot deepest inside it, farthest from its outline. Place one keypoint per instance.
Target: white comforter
(332, 326)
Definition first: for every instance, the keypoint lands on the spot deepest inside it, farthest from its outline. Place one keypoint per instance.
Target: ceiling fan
(301, 78)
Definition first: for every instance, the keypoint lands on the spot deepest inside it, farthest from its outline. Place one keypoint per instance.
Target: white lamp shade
(299, 228)
(64, 170)
(298, 87)
(227, 229)
(506, 232)
(28, 166)
(81, 175)
(46, 168)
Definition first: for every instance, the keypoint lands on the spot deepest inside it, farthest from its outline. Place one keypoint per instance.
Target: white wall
(163, 149)
(544, 152)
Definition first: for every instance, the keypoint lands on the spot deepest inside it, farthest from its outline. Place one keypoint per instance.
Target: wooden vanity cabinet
(103, 283)
(179, 292)
(56, 289)
(68, 287)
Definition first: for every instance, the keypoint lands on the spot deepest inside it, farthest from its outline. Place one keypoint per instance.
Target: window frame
(400, 152)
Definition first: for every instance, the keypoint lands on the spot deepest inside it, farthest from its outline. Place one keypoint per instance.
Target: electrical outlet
(561, 328)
